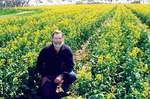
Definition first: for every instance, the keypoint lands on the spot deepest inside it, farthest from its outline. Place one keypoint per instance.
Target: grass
(8, 11)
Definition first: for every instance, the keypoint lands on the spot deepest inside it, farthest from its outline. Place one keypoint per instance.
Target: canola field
(110, 42)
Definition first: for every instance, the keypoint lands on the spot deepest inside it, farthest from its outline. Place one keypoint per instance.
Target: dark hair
(57, 32)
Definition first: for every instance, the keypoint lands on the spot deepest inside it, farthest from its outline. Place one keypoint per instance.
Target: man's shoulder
(66, 47)
(47, 47)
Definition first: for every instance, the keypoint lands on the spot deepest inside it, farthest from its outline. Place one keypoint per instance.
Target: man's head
(58, 39)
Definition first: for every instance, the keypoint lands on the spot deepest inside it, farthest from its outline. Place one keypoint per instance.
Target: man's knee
(48, 88)
(72, 77)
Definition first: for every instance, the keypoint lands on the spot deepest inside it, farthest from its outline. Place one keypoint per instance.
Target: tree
(13, 3)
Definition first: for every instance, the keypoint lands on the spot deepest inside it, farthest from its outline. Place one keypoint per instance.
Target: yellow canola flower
(99, 77)
(69, 97)
(146, 85)
(100, 59)
(2, 61)
(80, 97)
(145, 93)
(85, 72)
(108, 57)
(110, 96)
(146, 89)
(135, 51)
(143, 67)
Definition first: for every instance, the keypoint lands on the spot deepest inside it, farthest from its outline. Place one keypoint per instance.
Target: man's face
(58, 40)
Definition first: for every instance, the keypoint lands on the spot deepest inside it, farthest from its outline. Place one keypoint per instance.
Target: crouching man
(55, 64)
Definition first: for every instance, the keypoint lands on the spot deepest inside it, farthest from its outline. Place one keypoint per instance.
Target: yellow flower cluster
(146, 89)
(106, 58)
(143, 67)
(100, 59)
(85, 72)
(135, 51)
(99, 77)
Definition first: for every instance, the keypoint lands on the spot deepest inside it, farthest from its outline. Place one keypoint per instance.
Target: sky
(52, 2)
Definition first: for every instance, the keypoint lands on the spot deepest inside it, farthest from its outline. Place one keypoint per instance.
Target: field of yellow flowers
(117, 64)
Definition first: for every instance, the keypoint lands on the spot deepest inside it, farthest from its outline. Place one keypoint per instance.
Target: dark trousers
(48, 90)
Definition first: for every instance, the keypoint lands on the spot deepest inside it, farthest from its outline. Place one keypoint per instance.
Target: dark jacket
(50, 63)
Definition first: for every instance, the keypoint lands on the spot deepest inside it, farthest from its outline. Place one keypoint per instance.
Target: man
(55, 64)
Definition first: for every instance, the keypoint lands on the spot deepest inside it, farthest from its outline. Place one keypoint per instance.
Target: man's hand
(59, 79)
(44, 80)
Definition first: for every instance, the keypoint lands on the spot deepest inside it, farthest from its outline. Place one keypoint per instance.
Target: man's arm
(41, 67)
(68, 67)
(40, 63)
(69, 63)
